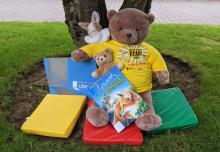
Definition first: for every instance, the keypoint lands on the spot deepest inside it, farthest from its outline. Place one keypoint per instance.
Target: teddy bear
(128, 28)
(104, 60)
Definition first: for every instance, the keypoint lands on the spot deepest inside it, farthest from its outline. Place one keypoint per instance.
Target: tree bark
(81, 11)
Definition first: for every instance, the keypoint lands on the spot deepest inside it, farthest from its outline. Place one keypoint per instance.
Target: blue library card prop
(66, 76)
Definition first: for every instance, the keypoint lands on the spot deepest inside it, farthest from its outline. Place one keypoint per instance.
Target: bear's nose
(129, 35)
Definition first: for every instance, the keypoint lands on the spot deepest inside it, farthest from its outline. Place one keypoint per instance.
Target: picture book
(114, 93)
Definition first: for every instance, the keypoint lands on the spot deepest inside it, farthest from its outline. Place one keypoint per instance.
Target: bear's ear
(94, 56)
(110, 14)
(108, 50)
(151, 18)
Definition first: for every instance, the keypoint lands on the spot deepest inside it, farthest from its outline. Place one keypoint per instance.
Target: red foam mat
(108, 135)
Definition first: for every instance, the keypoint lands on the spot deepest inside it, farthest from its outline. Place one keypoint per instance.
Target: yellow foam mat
(55, 116)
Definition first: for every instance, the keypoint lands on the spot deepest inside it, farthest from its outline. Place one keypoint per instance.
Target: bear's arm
(84, 52)
(79, 55)
(162, 77)
(100, 71)
(159, 67)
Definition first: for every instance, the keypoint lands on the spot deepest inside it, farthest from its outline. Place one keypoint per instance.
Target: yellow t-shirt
(139, 60)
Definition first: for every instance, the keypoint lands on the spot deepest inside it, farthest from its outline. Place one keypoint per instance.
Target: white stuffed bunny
(95, 32)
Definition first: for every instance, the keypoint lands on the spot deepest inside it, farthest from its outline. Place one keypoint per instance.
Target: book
(55, 116)
(66, 76)
(115, 94)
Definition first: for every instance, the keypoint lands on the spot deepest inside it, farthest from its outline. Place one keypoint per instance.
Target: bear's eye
(120, 28)
(105, 56)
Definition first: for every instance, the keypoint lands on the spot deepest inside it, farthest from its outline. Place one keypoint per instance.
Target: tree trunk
(81, 11)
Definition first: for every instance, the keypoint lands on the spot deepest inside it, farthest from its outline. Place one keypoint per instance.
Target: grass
(24, 44)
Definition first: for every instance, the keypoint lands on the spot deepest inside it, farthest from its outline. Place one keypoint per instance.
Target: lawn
(24, 44)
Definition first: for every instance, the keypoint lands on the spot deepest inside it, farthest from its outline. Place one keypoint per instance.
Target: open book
(114, 93)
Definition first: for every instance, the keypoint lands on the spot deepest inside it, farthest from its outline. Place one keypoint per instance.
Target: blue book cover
(114, 93)
(66, 76)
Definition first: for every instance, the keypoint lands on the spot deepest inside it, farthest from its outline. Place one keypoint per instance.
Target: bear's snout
(101, 59)
(129, 35)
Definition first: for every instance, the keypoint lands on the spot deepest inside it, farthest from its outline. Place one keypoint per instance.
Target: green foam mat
(174, 109)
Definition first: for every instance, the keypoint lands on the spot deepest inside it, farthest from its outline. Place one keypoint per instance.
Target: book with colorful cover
(115, 94)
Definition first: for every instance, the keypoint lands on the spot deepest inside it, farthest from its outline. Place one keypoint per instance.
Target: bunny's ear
(95, 17)
(84, 25)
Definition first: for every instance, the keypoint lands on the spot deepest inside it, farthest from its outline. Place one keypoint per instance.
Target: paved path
(166, 11)
(187, 11)
(31, 10)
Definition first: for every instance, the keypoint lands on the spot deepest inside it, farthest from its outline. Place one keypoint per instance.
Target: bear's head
(130, 25)
(103, 57)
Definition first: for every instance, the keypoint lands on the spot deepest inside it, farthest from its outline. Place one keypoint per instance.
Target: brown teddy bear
(105, 62)
(128, 28)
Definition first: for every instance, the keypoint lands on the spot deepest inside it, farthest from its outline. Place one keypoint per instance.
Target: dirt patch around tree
(33, 87)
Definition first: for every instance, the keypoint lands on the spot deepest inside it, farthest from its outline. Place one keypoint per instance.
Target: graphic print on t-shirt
(133, 55)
